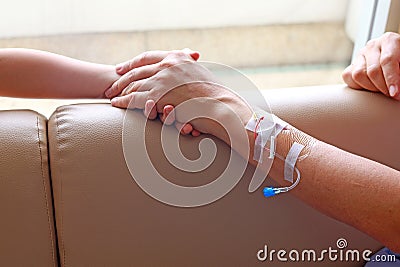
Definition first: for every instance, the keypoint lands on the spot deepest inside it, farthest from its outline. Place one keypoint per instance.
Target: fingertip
(169, 114)
(195, 133)
(148, 107)
(150, 102)
(153, 114)
(168, 109)
(187, 129)
(179, 126)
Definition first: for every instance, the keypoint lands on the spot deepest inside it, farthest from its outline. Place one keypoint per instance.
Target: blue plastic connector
(269, 192)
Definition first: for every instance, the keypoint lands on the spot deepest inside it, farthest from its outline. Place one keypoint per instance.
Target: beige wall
(48, 17)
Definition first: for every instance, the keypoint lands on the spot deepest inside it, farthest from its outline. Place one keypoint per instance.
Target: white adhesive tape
(290, 161)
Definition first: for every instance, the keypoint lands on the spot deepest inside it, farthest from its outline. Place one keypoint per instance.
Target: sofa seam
(62, 245)
(45, 193)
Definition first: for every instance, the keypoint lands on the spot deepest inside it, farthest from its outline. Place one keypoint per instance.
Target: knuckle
(167, 63)
(118, 86)
(386, 59)
(358, 74)
(138, 60)
(373, 71)
(346, 75)
(363, 51)
(371, 43)
(390, 35)
(131, 87)
(180, 54)
(143, 56)
(174, 58)
(131, 63)
(131, 75)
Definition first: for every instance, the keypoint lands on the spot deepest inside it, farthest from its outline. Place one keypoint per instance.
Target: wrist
(234, 110)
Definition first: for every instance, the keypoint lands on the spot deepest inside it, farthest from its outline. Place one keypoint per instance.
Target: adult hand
(178, 79)
(376, 68)
(140, 68)
(144, 66)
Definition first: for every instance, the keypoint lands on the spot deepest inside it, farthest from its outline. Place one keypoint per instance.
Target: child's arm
(38, 74)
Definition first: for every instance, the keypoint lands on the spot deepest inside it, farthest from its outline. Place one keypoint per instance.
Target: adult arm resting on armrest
(352, 189)
(355, 190)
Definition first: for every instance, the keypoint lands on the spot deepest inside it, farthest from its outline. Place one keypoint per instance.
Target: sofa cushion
(104, 218)
(27, 236)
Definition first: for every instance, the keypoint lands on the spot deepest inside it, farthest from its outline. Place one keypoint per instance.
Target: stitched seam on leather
(45, 193)
(62, 245)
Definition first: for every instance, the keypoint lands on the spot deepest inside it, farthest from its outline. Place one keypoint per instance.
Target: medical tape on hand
(291, 160)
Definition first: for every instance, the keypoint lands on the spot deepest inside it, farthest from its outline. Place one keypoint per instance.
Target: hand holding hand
(178, 79)
(142, 67)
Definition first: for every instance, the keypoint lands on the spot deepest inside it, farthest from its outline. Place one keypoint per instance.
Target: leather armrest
(104, 218)
(27, 235)
(361, 122)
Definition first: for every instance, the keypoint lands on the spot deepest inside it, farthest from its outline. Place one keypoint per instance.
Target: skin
(38, 74)
(139, 69)
(29, 73)
(344, 186)
(377, 67)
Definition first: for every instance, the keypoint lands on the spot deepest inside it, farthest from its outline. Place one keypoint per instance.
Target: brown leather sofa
(68, 199)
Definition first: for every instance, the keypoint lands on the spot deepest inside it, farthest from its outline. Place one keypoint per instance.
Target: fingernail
(393, 90)
(168, 110)
(108, 93)
(119, 67)
(195, 55)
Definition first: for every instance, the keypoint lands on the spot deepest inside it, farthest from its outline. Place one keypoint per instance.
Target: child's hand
(168, 118)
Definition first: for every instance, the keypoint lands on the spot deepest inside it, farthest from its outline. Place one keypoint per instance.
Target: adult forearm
(39, 74)
(349, 188)
(352, 189)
